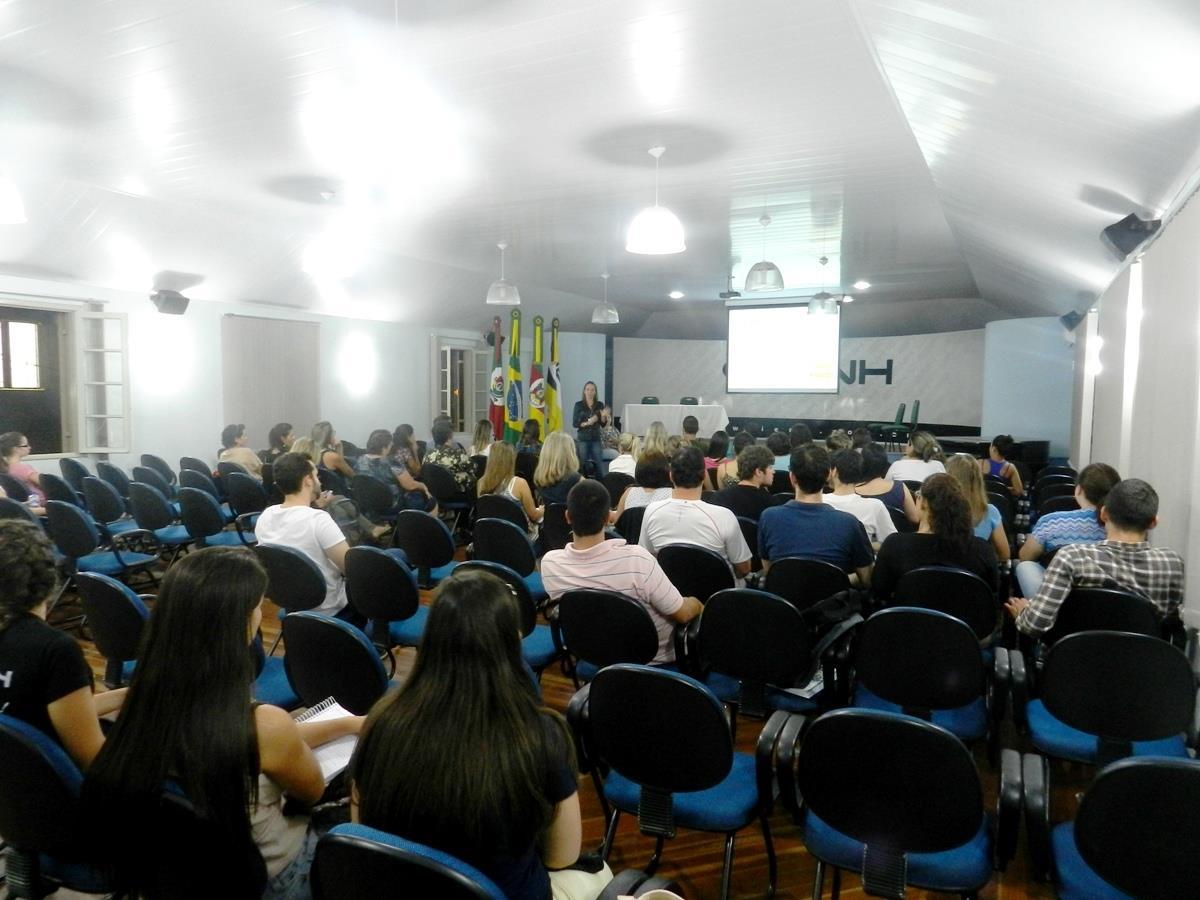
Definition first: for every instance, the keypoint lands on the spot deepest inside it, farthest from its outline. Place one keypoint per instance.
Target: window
(19, 369)
(104, 370)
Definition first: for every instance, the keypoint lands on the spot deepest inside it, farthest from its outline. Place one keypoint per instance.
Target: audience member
(844, 474)
(481, 440)
(590, 561)
(610, 437)
(531, 437)
(714, 455)
(329, 449)
(234, 450)
(652, 482)
(997, 463)
(626, 461)
(557, 469)
(444, 419)
(920, 459)
(781, 447)
(987, 521)
(860, 437)
(305, 447)
(1054, 531)
(943, 538)
(448, 454)
(588, 420)
(500, 478)
(685, 519)
(807, 526)
(1124, 560)
(44, 679)
(894, 494)
(751, 493)
(691, 433)
(726, 473)
(418, 772)
(838, 440)
(405, 452)
(799, 435)
(14, 447)
(189, 719)
(407, 492)
(279, 439)
(655, 440)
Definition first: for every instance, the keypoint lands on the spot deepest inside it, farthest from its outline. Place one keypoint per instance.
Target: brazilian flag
(514, 404)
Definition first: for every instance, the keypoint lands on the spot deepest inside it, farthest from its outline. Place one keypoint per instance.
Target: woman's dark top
(583, 413)
(893, 498)
(902, 553)
(38, 665)
(557, 492)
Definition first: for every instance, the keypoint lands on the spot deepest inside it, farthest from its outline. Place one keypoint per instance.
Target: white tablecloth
(637, 417)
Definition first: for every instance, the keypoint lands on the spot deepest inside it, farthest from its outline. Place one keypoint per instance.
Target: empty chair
(150, 461)
(115, 476)
(55, 488)
(73, 472)
(152, 477)
(499, 541)
(629, 525)
(1056, 489)
(202, 481)
(1058, 470)
(106, 506)
(427, 543)
(600, 628)
(153, 513)
(555, 532)
(649, 400)
(450, 498)
(956, 592)
(76, 537)
(381, 586)
(327, 657)
(1057, 504)
(695, 571)
(193, 464)
(539, 643)
(204, 523)
(247, 498)
(294, 582)
(804, 582)
(617, 483)
(353, 861)
(688, 401)
(116, 616)
(1104, 609)
(499, 506)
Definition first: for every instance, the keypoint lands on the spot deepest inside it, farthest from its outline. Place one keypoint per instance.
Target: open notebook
(334, 756)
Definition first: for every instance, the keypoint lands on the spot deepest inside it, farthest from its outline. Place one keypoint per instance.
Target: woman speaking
(589, 418)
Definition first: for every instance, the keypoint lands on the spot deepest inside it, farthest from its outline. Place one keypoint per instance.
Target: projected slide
(782, 350)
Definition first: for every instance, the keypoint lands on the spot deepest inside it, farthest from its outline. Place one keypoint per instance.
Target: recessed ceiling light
(676, 295)
(847, 298)
(861, 285)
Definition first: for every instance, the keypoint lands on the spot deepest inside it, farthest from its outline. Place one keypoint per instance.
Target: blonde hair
(656, 439)
(839, 439)
(965, 470)
(501, 466)
(924, 446)
(482, 439)
(674, 442)
(322, 436)
(558, 459)
(628, 443)
(306, 447)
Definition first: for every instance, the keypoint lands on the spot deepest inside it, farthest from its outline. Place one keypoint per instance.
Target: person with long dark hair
(588, 419)
(944, 537)
(14, 447)
(189, 719)
(465, 758)
(280, 437)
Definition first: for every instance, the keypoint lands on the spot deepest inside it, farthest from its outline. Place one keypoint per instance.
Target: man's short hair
(810, 465)
(442, 432)
(687, 467)
(230, 434)
(849, 466)
(290, 470)
(860, 437)
(378, 441)
(652, 471)
(1096, 480)
(741, 441)
(691, 425)
(752, 459)
(875, 461)
(799, 435)
(588, 505)
(1132, 505)
(778, 443)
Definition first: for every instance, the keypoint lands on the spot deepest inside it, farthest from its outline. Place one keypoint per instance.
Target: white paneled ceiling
(363, 157)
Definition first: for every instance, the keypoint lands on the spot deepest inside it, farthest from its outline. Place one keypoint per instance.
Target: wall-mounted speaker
(1130, 233)
(172, 303)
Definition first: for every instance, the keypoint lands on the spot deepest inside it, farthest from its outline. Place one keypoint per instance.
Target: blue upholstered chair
(539, 644)
(153, 513)
(114, 475)
(497, 540)
(327, 657)
(55, 488)
(116, 617)
(382, 587)
(160, 465)
(202, 481)
(204, 522)
(294, 582)
(600, 628)
(804, 582)
(427, 543)
(106, 507)
(77, 539)
(73, 472)
(695, 571)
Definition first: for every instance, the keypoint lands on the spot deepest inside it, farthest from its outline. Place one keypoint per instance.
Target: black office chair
(1103, 609)
(695, 571)
(427, 543)
(116, 617)
(106, 507)
(77, 539)
(294, 583)
(804, 582)
(501, 506)
(1056, 489)
(539, 643)
(115, 476)
(1066, 503)
(195, 464)
(152, 477)
(629, 525)
(1045, 482)
(327, 657)
(688, 401)
(955, 592)
(374, 498)
(749, 529)
(203, 520)
(901, 521)
(616, 484)
(384, 591)
(334, 483)
(497, 540)
(13, 509)
(649, 401)
(160, 465)
(201, 481)
(55, 488)
(599, 628)
(247, 498)
(452, 501)
(73, 472)
(556, 533)
(153, 513)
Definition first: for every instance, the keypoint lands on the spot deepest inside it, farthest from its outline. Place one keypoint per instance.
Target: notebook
(334, 756)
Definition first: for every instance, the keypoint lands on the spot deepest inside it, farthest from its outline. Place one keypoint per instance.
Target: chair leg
(726, 871)
(836, 890)
(771, 867)
(610, 834)
(652, 866)
(818, 880)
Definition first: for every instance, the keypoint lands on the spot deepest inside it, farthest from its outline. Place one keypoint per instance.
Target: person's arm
(1000, 543)
(314, 734)
(337, 555)
(408, 483)
(616, 513)
(1014, 481)
(77, 726)
(109, 702)
(742, 569)
(284, 757)
(1037, 615)
(910, 506)
(564, 836)
(578, 414)
(689, 610)
(533, 512)
(864, 575)
(1031, 550)
(333, 459)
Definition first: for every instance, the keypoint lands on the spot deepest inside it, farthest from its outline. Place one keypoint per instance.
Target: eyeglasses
(26, 444)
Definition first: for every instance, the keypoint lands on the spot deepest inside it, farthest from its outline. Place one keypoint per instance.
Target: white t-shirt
(914, 469)
(694, 522)
(871, 512)
(625, 464)
(312, 532)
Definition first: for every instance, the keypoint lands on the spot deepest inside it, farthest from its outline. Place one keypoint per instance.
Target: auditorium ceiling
(363, 157)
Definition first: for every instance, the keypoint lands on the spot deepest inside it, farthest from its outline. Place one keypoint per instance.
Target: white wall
(1028, 380)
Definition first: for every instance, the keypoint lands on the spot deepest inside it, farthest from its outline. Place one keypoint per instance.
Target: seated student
(1054, 531)
(799, 435)
(685, 519)
(590, 561)
(329, 450)
(845, 473)
(751, 493)
(778, 444)
(189, 719)
(997, 463)
(1123, 560)
(405, 452)
(726, 473)
(807, 526)
(557, 469)
(714, 456)
(610, 438)
(280, 437)
(448, 454)
(298, 524)
(652, 482)
(860, 437)
(465, 758)
(44, 679)
(14, 447)
(690, 426)
(943, 538)
(875, 483)
(481, 440)
(234, 450)
(655, 440)
(376, 461)
(500, 477)
(531, 437)
(985, 518)
(625, 462)
(838, 439)
(921, 459)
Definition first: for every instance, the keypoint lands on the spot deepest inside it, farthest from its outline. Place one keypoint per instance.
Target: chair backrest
(1057, 470)
(102, 499)
(246, 494)
(195, 465)
(916, 416)
(899, 420)
(920, 659)
(526, 465)
(327, 657)
(1003, 503)
(501, 506)
(199, 513)
(901, 521)
(604, 627)
(956, 592)
(55, 488)
(334, 482)
(73, 471)
(629, 525)
(14, 487)
(695, 571)
(994, 481)
(1104, 609)
(71, 529)
(750, 535)
(1051, 491)
(1121, 687)
(201, 481)
(295, 582)
(440, 482)
(115, 615)
(755, 637)
(782, 483)
(355, 861)
(115, 476)
(1046, 481)
(1132, 822)
(556, 533)
(804, 582)
(894, 782)
(616, 483)
(688, 401)
(516, 585)
(14, 509)
(1057, 504)
(424, 538)
(479, 461)
(649, 401)
(152, 477)
(225, 468)
(39, 791)
(150, 508)
(379, 586)
(160, 465)
(500, 541)
(372, 495)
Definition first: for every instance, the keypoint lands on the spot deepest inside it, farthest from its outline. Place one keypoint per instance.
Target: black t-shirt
(746, 502)
(557, 492)
(38, 665)
(902, 553)
(581, 414)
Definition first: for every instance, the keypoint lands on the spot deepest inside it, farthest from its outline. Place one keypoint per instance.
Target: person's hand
(1016, 605)
(323, 499)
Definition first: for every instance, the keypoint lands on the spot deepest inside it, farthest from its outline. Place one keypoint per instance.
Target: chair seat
(120, 526)
(1055, 738)
(76, 876)
(1076, 879)
(408, 632)
(272, 686)
(967, 723)
(106, 563)
(533, 581)
(725, 807)
(442, 572)
(960, 870)
(728, 690)
(538, 648)
(173, 535)
(225, 539)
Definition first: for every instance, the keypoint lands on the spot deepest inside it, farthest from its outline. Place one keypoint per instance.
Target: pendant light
(764, 276)
(503, 292)
(655, 231)
(822, 302)
(605, 313)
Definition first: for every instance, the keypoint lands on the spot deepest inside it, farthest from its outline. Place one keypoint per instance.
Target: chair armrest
(833, 653)
(764, 760)
(1008, 807)
(684, 637)
(1035, 789)
(136, 536)
(1192, 646)
(245, 523)
(1001, 684)
(577, 719)
(787, 748)
(1018, 687)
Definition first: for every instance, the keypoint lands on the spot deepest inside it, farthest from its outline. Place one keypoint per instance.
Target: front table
(638, 416)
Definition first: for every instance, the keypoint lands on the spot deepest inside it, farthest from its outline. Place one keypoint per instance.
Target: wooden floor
(694, 858)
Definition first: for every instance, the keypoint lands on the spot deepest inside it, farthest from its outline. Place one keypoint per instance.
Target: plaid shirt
(1155, 573)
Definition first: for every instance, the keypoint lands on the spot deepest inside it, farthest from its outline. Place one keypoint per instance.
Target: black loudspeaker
(1071, 320)
(1129, 234)
(172, 303)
